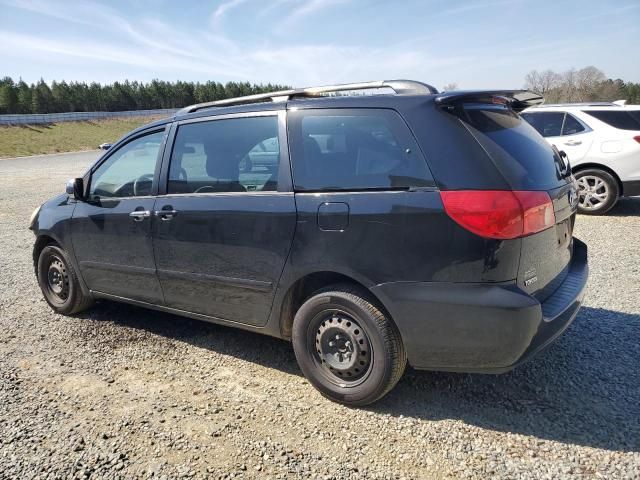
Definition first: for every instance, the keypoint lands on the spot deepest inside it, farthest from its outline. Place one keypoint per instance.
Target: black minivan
(371, 230)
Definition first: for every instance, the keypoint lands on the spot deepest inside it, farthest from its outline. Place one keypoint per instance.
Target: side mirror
(75, 187)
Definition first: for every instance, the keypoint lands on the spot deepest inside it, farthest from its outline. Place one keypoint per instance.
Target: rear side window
(571, 125)
(523, 158)
(617, 119)
(233, 155)
(354, 149)
(548, 124)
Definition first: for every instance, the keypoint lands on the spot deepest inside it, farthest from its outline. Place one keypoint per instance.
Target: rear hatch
(528, 164)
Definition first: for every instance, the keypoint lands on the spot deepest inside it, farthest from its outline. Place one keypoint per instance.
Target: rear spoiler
(517, 99)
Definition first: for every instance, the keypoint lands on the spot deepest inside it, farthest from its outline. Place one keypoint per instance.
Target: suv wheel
(346, 347)
(597, 191)
(59, 282)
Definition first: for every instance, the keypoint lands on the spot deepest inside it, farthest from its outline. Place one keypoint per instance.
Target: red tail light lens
(538, 211)
(637, 138)
(500, 214)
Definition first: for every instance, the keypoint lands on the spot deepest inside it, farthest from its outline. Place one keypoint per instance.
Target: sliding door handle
(140, 215)
(166, 214)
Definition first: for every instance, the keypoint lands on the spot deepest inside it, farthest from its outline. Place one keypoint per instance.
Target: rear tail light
(637, 138)
(500, 214)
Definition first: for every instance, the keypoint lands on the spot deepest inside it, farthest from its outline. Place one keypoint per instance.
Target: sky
(476, 44)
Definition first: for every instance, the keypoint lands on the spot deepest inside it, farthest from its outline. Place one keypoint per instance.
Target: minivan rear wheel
(59, 282)
(598, 191)
(347, 347)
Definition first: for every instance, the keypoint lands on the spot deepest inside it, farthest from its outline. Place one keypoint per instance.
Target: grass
(21, 140)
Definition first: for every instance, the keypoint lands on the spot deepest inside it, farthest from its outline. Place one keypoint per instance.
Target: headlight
(33, 217)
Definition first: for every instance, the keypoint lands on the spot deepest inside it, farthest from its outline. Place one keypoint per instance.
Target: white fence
(38, 118)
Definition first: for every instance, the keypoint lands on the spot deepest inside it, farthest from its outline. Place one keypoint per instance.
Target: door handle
(139, 215)
(573, 142)
(166, 214)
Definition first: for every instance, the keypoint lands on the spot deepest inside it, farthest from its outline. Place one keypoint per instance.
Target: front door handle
(573, 142)
(167, 214)
(140, 215)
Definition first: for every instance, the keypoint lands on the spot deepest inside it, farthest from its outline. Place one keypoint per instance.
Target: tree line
(584, 85)
(21, 97)
(588, 84)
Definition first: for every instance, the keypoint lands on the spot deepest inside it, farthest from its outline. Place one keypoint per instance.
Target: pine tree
(8, 96)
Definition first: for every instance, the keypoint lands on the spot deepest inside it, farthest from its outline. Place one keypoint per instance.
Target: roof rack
(400, 87)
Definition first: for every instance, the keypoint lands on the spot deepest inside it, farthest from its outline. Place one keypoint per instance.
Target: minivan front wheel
(597, 191)
(347, 347)
(59, 282)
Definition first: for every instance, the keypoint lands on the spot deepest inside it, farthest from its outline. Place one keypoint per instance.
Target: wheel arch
(45, 238)
(304, 286)
(599, 166)
(42, 240)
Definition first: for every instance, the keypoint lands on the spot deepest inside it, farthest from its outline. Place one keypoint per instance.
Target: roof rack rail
(579, 104)
(400, 87)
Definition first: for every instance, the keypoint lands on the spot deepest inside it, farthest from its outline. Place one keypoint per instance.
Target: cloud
(224, 7)
(40, 48)
(608, 12)
(475, 6)
(100, 17)
(310, 7)
(87, 39)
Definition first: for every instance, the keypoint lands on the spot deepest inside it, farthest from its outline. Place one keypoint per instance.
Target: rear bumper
(486, 328)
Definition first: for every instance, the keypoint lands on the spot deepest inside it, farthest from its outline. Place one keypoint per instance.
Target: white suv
(602, 141)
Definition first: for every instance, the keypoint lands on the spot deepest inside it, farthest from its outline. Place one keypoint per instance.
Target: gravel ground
(121, 392)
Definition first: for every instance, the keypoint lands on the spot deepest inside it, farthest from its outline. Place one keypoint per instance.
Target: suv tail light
(500, 214)
(637, 138)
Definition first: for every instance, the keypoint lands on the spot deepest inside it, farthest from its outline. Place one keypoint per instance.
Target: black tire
(59, 282)
(591, 201)
(367, 351)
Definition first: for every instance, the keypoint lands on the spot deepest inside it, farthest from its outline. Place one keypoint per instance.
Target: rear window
(354, 149)
(522, 156)
(617, 119)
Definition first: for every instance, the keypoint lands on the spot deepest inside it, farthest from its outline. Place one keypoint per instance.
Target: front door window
(129, 171)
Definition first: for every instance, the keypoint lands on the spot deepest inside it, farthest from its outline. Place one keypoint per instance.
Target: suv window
(548, 124)
(352, 149)
(617, 119)
(233, 155)
(571, 125)
(128, 172)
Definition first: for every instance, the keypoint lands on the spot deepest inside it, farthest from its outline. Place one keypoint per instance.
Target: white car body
(593, 142)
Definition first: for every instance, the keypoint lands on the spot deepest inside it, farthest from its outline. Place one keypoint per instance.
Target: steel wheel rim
(58, 279)
(593, 192)
(341, 348)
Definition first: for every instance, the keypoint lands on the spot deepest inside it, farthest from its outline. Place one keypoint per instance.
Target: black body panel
(480, 327)
(222, 254)
(545, 257)
(114, 251)
(392, 235)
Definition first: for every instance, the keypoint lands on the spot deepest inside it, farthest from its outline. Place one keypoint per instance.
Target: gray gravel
(121, 392)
